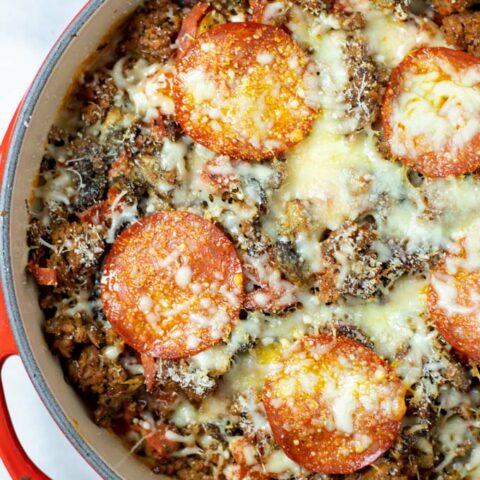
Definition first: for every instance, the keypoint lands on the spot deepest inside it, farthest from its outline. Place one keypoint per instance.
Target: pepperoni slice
(431, 112)
(43, 275)
(334, 405)
(188, 30)
(454, 297)
(245, 90)
(172, 285)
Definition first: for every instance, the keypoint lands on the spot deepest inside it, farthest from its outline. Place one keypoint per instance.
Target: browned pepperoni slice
(334, 405)
(431, 112)
(245, 90)
(172, 285)
(454, 297)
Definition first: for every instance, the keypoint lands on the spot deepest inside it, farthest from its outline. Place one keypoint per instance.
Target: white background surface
(28, 28)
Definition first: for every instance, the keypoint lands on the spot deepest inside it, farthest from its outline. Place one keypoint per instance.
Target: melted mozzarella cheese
(185, 414)
(392, 323)
(389, 40)
(58, 188)
(472, 467)
(436, 109)
(331, 171)
(120, 214)
(329, 46)
(172, 157)
(277, 462)
(147, 87)
(452, 435)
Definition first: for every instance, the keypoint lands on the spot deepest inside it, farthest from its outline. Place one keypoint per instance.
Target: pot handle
(14, 457)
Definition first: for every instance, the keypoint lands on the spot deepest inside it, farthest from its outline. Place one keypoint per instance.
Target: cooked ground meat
(230, 8)
(149, 170)
(186, 468)
(353, 332)
(290, 263)
(382, 144)
(37, 234)
(365, 86)
(97, 91)
(227, 181)
(351, 265)
(159, 129)
(463, 30)
(402, 262)
(67, 331)
(139, 140)
(93, 373)
(265, 288)
(56, 137)
(350, 21)
(381, 470)
(88, 165)
(130, 176)
(315, 6)
(183, 375)
(77, 249)
(457, 375)
(297, 218)
(153, 30)
(400, 8)
(447, 7)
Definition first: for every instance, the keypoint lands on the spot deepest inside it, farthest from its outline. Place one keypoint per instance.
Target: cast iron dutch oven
(20, 316)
